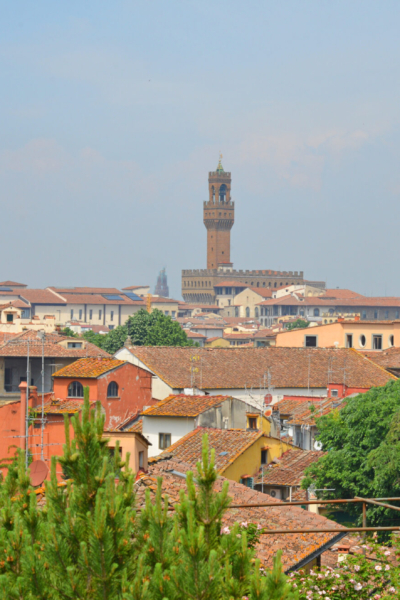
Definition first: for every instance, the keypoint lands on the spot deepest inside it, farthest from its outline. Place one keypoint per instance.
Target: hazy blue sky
(112, 114)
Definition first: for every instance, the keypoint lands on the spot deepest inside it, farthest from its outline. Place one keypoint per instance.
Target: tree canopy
(144, 329)
(362, 441)
(297, 324)
(90, 543)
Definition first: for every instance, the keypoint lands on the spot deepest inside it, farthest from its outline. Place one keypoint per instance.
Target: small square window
(10, 318)
(164, 440)
(311, 341)
(334, 393)
(252, 422)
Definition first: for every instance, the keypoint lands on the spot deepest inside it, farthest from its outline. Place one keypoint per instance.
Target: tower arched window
(247, 311)
(112, 390)
(222, 193)
(75, 390)
(213, 194)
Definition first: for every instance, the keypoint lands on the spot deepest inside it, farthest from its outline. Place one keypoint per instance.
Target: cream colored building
(247, 302)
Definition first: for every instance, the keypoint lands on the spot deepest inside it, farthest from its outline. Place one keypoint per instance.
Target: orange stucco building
(358, 334)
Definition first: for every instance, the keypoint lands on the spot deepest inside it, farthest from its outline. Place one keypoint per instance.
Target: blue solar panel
(112, 297)
(133, 296)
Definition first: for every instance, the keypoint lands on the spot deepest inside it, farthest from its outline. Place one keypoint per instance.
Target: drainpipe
(23, 388)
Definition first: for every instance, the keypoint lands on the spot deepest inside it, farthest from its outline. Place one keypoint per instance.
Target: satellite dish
(38, 471)
(268, 398)
(317, 445)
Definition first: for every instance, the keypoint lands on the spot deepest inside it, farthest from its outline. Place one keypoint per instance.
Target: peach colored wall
(327, 335)
(132, 443)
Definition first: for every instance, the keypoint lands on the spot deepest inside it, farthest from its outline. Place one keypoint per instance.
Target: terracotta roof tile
(290, 468)
(227, 443)
(84, 290)
(229, 368)
(40, 297)
(136, 427)
(195, 335)
(12, 283)
(99, 299)
(388, 359)
(89, 367)
(300, 412)
(17, 346)
(183, 405)
(295, 547)
(58, 406)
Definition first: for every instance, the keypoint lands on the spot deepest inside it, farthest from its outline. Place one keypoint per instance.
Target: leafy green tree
(144, 329)
(68, 332)
(115, 339)
(363, 444)
(298, 324)
(155, 329)
(94, 338)
(89, 543)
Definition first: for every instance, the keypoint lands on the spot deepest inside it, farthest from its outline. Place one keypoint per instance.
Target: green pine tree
(88, 542)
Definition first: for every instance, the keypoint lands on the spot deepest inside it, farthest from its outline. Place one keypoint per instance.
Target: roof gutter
(316, 553)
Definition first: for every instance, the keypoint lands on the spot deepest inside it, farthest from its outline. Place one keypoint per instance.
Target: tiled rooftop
(295, 547)
(84, 290)
(12, 283)
(301, 413)
(183, 405)
(57, 406)
(289, 470)
(227, 443)
(229, 368)
(17, 346)
(40, 296)
(387, 359)
(89, 367)
(341, 293)
(99, 299)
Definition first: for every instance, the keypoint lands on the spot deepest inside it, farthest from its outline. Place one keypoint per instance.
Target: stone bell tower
(219, 216)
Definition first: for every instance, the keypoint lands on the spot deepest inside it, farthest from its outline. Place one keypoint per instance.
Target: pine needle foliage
(90, 543)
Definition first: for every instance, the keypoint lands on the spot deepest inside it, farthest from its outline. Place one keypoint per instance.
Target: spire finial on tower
(220, 167)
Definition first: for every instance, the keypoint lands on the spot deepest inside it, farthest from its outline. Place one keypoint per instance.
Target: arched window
(258, 284)
(112, 390)
(213, 194)
(263, 283)
(275, 284)
(222, 193)
(316, 312)
(247, 311)
(256, 312)
(75, 390)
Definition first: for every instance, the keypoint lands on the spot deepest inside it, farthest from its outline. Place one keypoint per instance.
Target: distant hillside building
(162, 285)
(198, 285)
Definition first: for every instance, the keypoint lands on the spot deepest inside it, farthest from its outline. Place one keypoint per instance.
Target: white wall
(177, 427)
